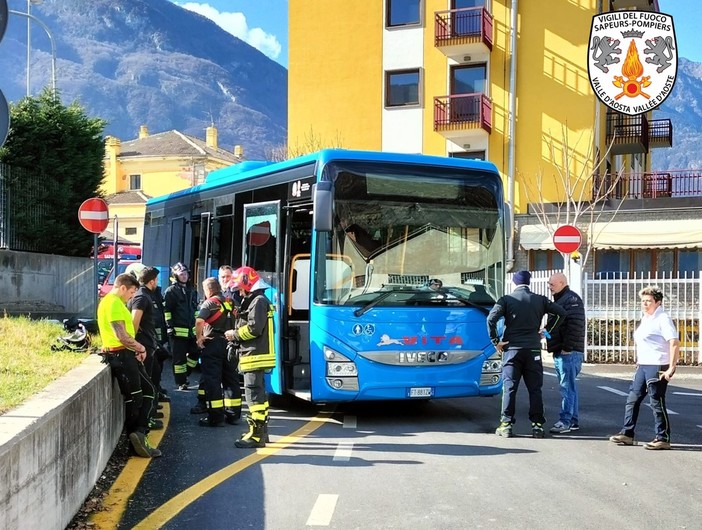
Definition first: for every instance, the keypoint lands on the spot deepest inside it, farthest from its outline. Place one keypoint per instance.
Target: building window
(661, 262)
(690, 263)
(130, 231)
(611, 264)
(403, 12)
(134, 182)
(545, 260)
(402, 88)
(471, 155)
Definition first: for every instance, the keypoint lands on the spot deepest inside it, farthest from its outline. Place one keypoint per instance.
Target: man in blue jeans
(567, 345)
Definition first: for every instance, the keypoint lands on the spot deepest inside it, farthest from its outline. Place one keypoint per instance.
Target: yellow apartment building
(153, 165)
(504, 80)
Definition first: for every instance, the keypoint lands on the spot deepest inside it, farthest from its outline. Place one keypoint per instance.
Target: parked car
(122, 265)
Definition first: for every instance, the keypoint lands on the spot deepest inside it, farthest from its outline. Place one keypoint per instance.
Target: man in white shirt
(657, 351)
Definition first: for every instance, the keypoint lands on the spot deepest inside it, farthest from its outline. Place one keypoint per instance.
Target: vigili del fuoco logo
(632, 59)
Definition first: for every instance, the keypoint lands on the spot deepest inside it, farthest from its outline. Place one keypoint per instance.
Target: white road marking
(688, 394)
(700, 426)
(614, 390)
(323, 510)
(549, 373)
(343, 452)
(620, 393)
(349, 422)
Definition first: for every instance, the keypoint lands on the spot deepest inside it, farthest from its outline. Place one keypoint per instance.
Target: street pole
(53, 48)
(29, 46)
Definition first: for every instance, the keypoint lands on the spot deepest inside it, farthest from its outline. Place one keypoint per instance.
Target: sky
(261, 23)
(264, 23)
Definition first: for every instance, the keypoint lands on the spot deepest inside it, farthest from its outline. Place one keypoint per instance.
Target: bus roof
(253, 169)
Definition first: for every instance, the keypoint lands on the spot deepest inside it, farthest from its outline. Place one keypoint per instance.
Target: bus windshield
(425, 236)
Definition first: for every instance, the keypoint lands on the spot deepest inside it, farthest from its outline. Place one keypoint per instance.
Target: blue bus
(382, 267)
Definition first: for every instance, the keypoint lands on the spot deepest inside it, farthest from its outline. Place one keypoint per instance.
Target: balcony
(458, 32)
(660, 133)
(639, 5)
(628, 135)
(673, 184)
(455, 116)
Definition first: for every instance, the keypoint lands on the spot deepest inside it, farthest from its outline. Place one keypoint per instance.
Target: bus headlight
(347, 369)
(342, 372)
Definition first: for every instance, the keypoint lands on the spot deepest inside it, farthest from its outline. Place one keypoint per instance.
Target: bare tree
(586, 191)
(311, 142)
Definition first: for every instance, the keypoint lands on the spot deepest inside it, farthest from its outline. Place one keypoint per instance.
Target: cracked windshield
(439, 242)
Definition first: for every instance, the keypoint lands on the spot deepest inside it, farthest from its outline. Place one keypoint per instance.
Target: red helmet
(244, 278)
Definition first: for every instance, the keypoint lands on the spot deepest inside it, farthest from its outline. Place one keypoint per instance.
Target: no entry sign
(567, 239)
(94, 215)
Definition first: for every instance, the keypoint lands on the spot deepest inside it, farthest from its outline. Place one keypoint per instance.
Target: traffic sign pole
(93, 215)
(567, 239)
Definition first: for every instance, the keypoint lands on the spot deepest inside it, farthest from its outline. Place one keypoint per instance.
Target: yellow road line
(175, 505)
(115, 502)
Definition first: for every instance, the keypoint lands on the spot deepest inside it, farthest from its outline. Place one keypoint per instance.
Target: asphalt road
(427, 465)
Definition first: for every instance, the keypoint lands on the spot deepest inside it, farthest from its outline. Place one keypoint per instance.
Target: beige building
(154, 165)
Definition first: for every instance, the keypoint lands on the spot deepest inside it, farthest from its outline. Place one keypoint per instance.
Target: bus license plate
(422, 391)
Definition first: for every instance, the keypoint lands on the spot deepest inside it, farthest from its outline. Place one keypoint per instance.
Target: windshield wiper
(466, 301)
(370, 305)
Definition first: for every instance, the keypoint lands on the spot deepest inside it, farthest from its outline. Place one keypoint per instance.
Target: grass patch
(27, 364)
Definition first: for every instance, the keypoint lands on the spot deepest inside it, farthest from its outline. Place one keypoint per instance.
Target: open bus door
(261, 250)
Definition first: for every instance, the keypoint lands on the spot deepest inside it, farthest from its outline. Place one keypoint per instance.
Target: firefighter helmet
(244, 278)
(179, 268)
(135, 269)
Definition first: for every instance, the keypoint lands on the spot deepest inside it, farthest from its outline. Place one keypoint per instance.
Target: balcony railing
(675, 184)
(636, 134)
(463, 26)
(462, 111)
(627, 134)
(660, 133)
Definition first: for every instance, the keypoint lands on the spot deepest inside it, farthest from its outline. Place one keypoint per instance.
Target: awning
(536, 237)
(647, 234)
(622, 235)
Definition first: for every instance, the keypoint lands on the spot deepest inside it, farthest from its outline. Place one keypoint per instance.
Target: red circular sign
(567, 239)
(93, 215)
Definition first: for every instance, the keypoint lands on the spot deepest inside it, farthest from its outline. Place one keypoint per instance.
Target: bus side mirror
(323, 202)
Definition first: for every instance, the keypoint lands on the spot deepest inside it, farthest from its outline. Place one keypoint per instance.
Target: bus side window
(299, 290)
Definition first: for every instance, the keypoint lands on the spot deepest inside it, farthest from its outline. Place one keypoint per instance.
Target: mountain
(684, 108)
(150, 62)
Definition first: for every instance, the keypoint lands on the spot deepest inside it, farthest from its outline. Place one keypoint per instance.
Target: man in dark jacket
(567, 343)
(523, 312)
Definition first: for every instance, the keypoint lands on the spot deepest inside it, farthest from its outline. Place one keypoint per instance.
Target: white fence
(613, 312)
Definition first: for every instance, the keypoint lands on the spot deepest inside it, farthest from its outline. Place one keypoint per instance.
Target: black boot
(200, 408)
(232, 415)
(212, 420)
(254, 437)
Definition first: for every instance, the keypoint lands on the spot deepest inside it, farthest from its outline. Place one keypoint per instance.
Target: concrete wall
(46, 285)
(55, 446)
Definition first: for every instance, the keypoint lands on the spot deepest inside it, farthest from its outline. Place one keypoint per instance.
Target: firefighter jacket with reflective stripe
(216, 312)
(254, 333)
(180, 309)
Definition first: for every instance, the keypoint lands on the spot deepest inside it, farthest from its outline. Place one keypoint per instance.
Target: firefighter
(141, 306)
(253, 334)
(232, 301)
(180, 301)
(218, 371)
